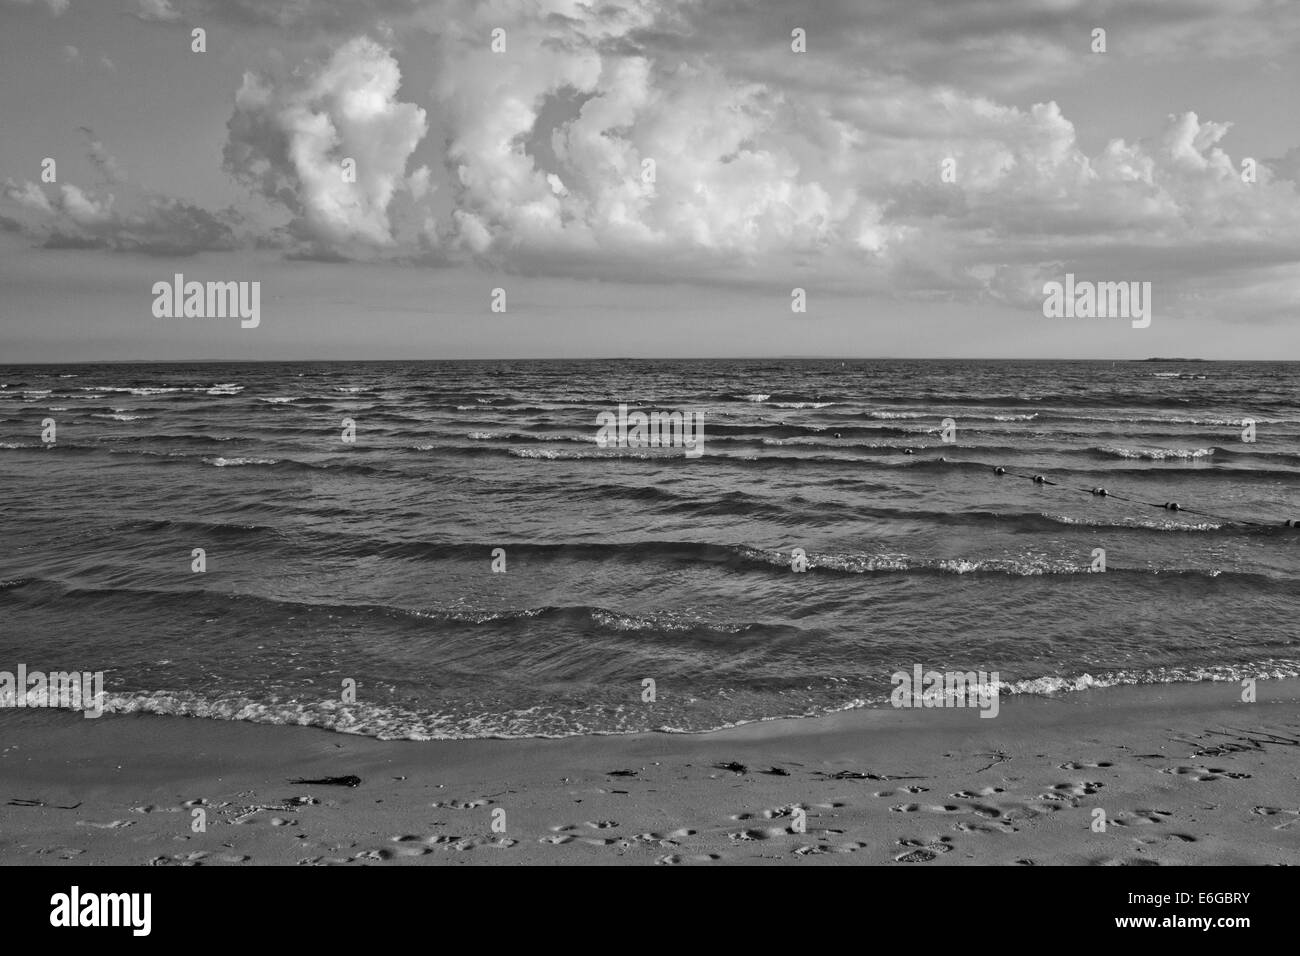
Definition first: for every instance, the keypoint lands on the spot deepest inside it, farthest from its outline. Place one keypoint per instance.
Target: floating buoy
(907, 451)
(837, 434)
(1102, 492)
(1292, 523)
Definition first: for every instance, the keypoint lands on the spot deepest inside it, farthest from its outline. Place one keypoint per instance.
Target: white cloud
(762, 173)
(82, 209)
(289, 138)
(28, 195)
(160, 10)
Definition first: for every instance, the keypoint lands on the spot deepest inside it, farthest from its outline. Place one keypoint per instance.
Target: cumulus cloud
(668, 140)
(28, 195)
(68, 216)
(761, 176)
(289, 139)
(157, 225)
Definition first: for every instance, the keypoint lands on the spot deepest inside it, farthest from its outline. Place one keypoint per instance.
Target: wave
(235, 462)
(223, 388)
(393, 722)
(1028, 566)
(1159, 454)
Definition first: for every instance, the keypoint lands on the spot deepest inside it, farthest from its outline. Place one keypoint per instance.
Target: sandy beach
(1185, 774)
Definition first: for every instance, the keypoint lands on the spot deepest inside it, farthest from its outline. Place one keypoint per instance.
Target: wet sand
(1184, 774)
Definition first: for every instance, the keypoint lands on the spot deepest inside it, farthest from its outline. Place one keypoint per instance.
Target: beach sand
(1186, 774)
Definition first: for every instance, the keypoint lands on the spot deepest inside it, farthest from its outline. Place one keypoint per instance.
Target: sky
(648, 178)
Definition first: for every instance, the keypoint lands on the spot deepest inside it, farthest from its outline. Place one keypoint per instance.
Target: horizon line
(640, 358)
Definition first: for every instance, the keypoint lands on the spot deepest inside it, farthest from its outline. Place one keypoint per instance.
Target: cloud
(28, 195)
(104, 162)
(686, 141)
(757, 177)
(158, 10)
(72, 217)
(289, 138)
(156, 225)
(302, 16)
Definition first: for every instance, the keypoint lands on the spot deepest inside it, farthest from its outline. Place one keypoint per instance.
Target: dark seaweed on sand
(350, 780)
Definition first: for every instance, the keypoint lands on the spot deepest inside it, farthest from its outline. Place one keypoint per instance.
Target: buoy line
(1101, 492)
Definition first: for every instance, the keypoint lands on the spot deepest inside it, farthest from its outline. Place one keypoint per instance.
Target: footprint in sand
(1126, 861)
(759, 833)
(110, 825)
(197, 858)
(602, 824)
(918, 851)
(978, 809)
(375, 855)
(1074, 765)
(1017, 811)
(919, 808)
(610, 841)
(964, 827)
(1071, 792)
(411, 844)
(1206, 773)
(785, 811)
(664, 839)
(675, 859)
(461, 804)
(1278, 811)
(911, 790)
(461, 844)
(62, 852)
(817, 849)
(976, 794)
(1140, 818)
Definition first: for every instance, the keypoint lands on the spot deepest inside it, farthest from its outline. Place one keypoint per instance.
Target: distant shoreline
(759, 358)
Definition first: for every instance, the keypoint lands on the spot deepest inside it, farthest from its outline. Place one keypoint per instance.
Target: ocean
(330, 565)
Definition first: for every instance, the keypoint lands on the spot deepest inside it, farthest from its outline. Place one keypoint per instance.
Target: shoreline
(1185, 774)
